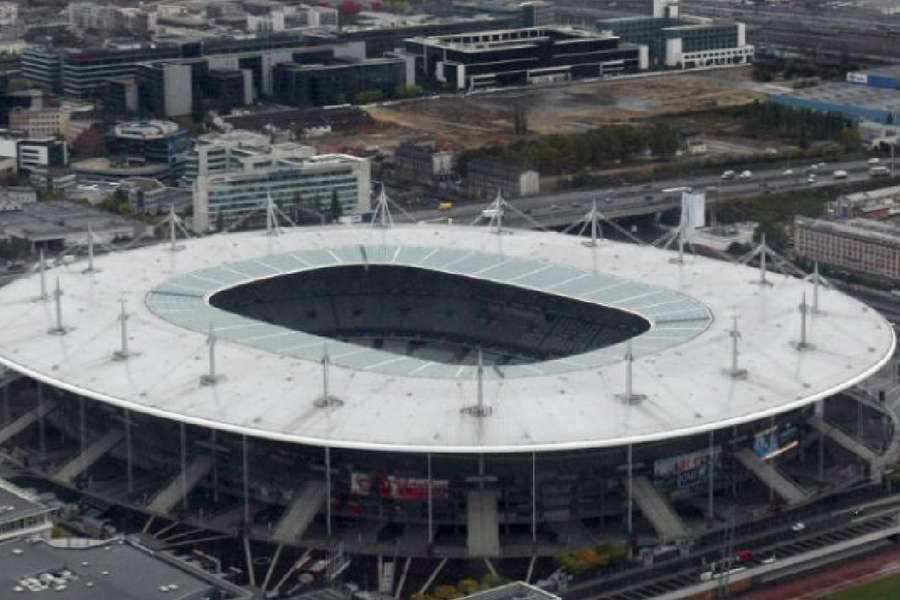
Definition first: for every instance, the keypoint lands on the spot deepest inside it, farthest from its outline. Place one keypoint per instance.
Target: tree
(409, 91)
(368, 97)
(90, 142)
(336, 209)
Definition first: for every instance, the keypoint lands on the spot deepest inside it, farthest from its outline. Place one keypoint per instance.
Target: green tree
(368, 97)
(335, 209)
(409, 91)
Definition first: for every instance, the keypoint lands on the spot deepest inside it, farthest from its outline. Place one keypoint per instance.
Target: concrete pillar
(711, 508)
(129, 455)
(42, 430)
(630, 519)
(328, 491)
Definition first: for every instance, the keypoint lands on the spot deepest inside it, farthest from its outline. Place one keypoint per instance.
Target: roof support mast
(57, 296)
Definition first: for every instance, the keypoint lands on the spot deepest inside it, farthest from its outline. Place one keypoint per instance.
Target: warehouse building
(857, 102)
(521, 56)
(886, 77)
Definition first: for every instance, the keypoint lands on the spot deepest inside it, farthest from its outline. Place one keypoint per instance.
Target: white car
(874, 161)
(728, 175)
(746, 174)
(811, 178)
(788, 172)
(840, 174)
(798, 527)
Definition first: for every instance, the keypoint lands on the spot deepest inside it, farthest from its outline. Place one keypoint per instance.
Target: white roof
(391, 402)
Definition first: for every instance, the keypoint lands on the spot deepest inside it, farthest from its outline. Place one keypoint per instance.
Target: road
(561, 209)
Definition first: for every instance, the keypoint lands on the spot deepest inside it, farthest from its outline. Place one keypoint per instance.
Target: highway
(561, 209)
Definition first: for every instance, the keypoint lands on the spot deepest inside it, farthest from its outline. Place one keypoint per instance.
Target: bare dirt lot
(461, 122)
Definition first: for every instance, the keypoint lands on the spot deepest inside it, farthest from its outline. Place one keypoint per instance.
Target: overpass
(561, 209)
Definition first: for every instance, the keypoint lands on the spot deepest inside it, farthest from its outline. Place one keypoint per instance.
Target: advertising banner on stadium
(768, 443)
(406, 489)
(686, 470)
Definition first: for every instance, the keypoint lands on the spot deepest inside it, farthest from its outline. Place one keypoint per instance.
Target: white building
(22, 514)
(296, 182)
(51, 121)
(9, 14)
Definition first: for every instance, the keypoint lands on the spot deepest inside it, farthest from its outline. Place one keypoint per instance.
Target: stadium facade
(448, 391)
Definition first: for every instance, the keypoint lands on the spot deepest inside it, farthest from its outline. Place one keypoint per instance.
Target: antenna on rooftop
(90, 251)
(272, 227)
(479, 409)
(327, 398)
(736, 372)
(803, 344)
(212, 377)
(592, 219)
(382, 217)
(122, 352)
(43, 271)
(174, 223)
(57, 295)
(629, 397)
(498, 207)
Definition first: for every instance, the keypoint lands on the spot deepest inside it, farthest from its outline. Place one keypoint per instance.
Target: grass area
(882, 589)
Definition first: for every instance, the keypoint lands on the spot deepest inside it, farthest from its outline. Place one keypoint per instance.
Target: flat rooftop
(849, 94)
(114, 569)
(16, 503)
(47, 221)
(412, 404)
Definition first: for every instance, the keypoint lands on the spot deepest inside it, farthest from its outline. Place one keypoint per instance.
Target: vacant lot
(462, 122)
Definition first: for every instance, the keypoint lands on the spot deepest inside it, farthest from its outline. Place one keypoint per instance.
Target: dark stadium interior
(439, 316)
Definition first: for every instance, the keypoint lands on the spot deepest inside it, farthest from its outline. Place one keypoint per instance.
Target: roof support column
(430, 501)
(129, 455)
(630, 516)
(328, 491)
(42, 430)
(534, 499)
(215, 467)
(245, 476)
(711, 507)
(7, 416)
(182, 437)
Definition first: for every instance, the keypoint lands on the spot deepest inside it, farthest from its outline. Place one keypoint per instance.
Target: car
(811, 178)
(788, 172)
(576, 205)
(554, 207)
(840, 174)
(822, 165)
(728, 174)
(798, 527)
(874, 160)
(743, 555)
(746, 174)
(769, 560)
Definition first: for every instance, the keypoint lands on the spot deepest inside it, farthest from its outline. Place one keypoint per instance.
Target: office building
(538, 14)
(227, 89)
(680, 41)
(485, 177)
(299, 186)
(338, 82)
(33, 153)
(50, 121)
(150, 142)
(165, 88)
(520, 56)
(422, 161)
(858, 245)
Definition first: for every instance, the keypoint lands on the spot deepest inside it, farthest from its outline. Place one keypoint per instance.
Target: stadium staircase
(91, 455)
(789, 491)
(306, 505)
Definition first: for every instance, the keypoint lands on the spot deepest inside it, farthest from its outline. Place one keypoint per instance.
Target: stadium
(446, 390)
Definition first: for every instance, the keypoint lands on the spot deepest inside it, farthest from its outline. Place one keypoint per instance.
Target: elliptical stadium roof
(273, 376)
